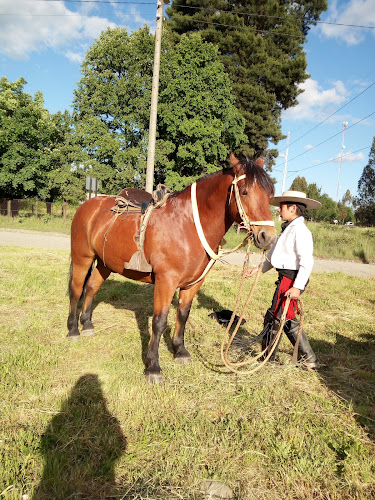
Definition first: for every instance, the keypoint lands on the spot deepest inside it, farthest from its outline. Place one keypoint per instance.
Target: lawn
(78, 419)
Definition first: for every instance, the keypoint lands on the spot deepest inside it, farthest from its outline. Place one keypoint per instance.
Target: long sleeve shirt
(293, 250)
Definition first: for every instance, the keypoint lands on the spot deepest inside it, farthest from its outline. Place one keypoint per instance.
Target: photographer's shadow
(81, 446)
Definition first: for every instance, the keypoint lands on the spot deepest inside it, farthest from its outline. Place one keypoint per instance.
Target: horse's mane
(254, 173)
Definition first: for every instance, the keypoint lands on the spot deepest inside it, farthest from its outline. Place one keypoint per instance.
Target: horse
(176, 252)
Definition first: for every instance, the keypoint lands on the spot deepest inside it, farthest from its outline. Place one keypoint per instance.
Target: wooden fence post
(9, 208)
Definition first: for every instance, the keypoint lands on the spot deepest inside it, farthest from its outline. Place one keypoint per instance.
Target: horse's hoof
(88, 333)
(183, 360)
(154, 378)
(73, 337)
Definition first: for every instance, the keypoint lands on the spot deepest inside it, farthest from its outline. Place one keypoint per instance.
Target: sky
(45, 41)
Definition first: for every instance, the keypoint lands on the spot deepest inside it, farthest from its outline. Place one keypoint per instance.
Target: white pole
(285, 163)
(154, 100)
(345, 124)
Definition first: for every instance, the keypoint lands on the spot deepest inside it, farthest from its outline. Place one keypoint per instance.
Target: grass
(78, 420)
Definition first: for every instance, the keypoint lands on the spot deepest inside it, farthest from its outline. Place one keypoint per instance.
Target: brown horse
(172, 247)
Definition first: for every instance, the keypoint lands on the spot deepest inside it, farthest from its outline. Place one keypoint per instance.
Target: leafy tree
(197, 120)
(67, 174)
(197, 112)
(365, 201)
(327, 212)
(299, 184)
(24, 142)
(261, 47)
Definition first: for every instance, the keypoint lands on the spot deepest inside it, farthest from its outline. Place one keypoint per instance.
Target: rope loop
(268, 351)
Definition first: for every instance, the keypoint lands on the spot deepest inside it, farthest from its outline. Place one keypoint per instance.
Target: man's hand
(251, 272)
(293, 293)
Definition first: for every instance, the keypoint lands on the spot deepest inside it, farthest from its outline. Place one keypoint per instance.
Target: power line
(329, 138)
(327, 161)
(210, 8)
(328, 117)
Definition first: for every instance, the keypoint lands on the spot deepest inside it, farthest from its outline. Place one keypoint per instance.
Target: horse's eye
(243, 191)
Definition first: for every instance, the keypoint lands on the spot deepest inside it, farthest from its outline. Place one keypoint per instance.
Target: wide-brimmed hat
(295, 197)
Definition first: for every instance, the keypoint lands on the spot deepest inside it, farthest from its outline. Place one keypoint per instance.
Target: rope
(268, 351)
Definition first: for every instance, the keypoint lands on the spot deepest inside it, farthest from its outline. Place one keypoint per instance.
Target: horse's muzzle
(265, 237)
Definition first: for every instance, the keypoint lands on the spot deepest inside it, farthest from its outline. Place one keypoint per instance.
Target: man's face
(287, 213)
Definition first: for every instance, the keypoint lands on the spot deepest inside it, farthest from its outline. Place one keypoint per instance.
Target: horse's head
(249, 204)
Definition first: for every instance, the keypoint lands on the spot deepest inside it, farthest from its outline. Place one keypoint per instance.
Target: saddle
(132, 200)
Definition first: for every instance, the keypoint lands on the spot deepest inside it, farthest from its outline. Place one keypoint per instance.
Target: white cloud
(357, 12)
(309, 146)
(348, 157)
(314, 100)
(36, 26)
(74, 57)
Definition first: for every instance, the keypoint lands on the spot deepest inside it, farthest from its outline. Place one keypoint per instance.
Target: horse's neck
(212, 195)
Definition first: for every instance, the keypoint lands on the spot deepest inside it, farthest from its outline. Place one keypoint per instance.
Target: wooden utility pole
(154, 98)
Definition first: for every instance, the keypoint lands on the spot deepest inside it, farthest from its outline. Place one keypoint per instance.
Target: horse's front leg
(163, 295)
(181, 354)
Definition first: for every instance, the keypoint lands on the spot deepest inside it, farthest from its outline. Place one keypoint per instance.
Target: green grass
(78, 420)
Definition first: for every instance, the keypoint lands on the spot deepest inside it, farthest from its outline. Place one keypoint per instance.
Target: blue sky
(45, 41)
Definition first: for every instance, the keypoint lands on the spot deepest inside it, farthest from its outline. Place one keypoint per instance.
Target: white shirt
(293, 250)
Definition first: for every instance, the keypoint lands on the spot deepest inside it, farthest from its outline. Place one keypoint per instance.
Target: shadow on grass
(81, 446)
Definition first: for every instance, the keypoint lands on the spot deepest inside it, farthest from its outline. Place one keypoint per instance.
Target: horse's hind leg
(79, 272)
(181, 354)
(99, 274)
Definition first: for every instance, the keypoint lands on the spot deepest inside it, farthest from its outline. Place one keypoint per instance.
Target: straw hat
(295, 197)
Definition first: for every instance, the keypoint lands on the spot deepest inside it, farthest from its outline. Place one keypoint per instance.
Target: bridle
(245, 220)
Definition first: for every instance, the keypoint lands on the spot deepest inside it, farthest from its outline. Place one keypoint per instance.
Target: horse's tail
(89, 272)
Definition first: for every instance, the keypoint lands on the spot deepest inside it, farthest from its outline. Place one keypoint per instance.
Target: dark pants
(291, 327)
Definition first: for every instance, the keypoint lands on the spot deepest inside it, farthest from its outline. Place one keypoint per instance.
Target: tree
(299, 184)
(365, 201)
(197, 121)
(197, 112)
(67, 174)
(24, 142)
(261, 47)
(327, 212)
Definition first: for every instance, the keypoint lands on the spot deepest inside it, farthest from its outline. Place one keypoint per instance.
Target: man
(292, 256)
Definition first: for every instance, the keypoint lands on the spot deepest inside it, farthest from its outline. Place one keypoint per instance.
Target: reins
(268, 351)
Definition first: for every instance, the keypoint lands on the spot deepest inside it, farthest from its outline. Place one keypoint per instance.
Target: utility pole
(285, 163)
(154, 98)
(345, 124)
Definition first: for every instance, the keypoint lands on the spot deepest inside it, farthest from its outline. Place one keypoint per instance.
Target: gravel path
(36, 239)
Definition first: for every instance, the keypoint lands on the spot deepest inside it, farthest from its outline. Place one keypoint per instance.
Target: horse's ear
(236, 164)
(260, 162)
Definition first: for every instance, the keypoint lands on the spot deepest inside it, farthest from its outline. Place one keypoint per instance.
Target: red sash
(285, 285)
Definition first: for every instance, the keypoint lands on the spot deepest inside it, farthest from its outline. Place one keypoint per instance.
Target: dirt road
(35, 239)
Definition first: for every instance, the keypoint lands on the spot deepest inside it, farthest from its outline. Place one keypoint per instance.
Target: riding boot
(270, 328)
(305, 353)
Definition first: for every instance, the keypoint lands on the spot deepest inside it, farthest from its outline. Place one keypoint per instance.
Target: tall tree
(197, 121)
(261, 47)
(24, 142)
(327, 212)
(365, 201)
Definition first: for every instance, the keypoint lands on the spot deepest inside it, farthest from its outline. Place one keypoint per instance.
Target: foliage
(197, 120)
(37, 153)
(79, 421)
(365, 201)
(261, 47)
(327, 212)
(24, 142)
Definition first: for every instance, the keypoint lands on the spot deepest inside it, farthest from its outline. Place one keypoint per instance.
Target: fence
(33, 208)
